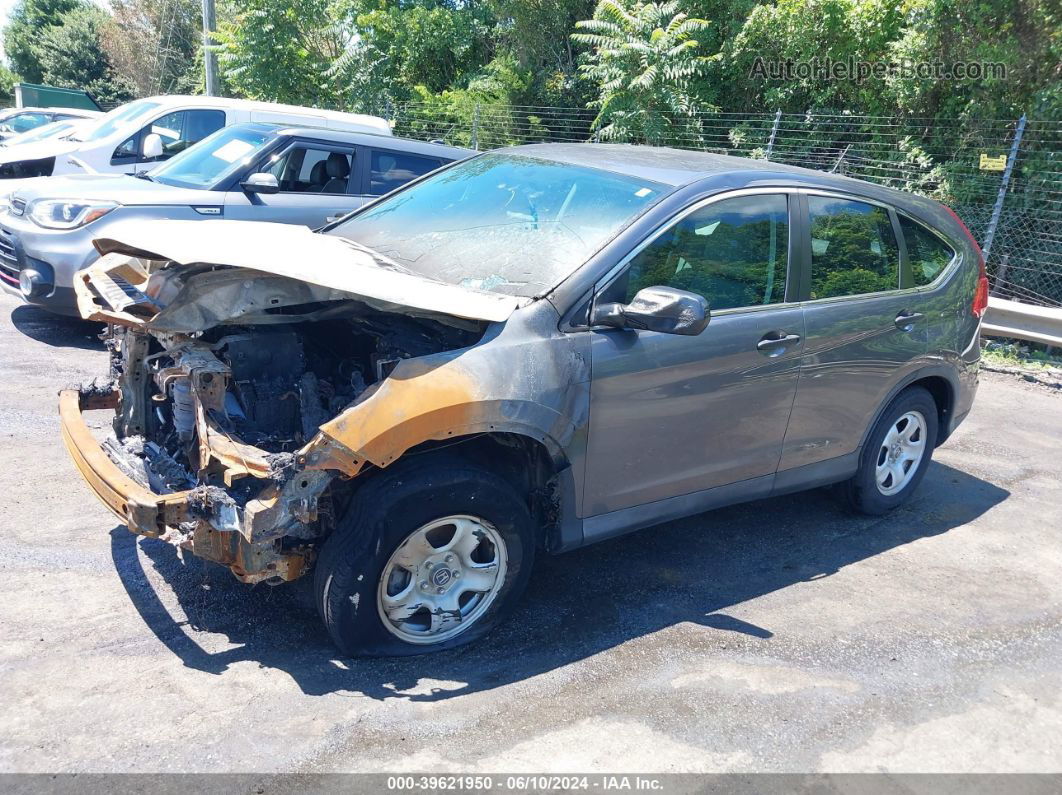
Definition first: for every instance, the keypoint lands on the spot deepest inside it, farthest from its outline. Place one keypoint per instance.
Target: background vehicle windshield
(505, 223)
(118, 118)
(22, 122)
(50, 130)
(215, 157)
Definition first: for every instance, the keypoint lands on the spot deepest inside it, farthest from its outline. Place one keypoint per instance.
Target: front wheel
(897, 454)
(428, 557)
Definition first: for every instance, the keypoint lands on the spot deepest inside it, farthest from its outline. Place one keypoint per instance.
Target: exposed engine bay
(222, 413)
(248, 395)
(280, 382)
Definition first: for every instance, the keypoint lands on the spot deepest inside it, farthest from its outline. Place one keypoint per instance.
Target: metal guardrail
(1015, 320)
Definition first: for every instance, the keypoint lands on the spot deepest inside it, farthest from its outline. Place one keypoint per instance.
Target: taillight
(980, 300)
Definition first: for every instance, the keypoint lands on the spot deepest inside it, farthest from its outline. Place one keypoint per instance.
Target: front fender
(425, 401)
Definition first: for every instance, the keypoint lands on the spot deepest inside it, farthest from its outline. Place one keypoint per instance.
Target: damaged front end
(243, 402)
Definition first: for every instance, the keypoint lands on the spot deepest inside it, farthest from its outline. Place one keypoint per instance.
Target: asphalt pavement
(781, 635)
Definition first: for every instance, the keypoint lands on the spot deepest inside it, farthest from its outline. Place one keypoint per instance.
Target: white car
(53, 129)
(138, 135)
(14, 121)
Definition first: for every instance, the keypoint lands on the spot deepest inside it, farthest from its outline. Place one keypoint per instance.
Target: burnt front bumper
(188, 517)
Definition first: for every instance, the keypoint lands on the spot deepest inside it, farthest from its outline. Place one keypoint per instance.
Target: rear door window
(927, 253)
(853, 248)
(390, 170)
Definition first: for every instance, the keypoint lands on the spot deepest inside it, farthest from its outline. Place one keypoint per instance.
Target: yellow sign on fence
(989, 163)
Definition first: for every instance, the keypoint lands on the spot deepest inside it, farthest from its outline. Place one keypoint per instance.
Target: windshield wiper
(142, 174)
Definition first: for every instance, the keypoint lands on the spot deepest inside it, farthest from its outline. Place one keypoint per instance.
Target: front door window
(309, 169)
(732, 252)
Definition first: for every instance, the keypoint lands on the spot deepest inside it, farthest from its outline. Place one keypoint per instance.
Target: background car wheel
(897, 453)
(429, 556)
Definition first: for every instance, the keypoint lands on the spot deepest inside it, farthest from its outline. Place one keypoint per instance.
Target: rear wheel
(428, 557)
(897, 454)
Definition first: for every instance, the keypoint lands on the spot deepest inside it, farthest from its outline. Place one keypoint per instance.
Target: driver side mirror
(261, 182)
(661, 309)
(151, 148)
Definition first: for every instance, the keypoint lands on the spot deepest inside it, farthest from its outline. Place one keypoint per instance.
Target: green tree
(801, 31)
(1022, 34)
(30, 19)
(7, 82)
(71, 56)
(401, 45)
(534, 35)
(643, 60)
(282, 50)
(1025, 35)
(155, 44)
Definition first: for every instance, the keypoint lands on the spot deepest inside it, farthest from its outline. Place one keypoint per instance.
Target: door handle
(905, 321)
(774, 343)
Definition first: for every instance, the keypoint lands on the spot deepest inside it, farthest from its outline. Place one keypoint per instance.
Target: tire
(885, 454)
(360, 580)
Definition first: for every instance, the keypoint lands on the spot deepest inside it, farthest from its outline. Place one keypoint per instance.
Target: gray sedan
(250, 172)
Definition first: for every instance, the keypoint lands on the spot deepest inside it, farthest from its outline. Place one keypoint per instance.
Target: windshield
(215, 157)
(22, 122)
(50, 130)
(506, 223)
(117, 119)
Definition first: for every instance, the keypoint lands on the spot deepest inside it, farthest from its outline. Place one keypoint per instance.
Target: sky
(5, 9)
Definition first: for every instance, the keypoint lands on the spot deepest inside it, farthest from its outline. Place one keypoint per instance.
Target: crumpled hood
(121, 188)
(287, 251)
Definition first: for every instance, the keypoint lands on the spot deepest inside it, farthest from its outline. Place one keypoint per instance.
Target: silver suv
(531, 350)
(250, 171)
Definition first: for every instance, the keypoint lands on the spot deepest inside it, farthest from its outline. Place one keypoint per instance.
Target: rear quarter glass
(928, 251)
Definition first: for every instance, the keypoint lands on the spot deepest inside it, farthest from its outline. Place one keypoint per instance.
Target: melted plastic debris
(282, 466)
(97, 388)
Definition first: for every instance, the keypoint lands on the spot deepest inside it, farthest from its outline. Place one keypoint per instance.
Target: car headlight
(68, 213)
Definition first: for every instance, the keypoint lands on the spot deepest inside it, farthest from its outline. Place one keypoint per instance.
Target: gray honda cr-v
(530, 350)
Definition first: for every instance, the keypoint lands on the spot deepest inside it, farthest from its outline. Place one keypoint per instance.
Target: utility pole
(774, 132)
(210, 58)
(997, 210)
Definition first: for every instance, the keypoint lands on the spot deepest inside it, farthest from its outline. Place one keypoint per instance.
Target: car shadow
(577, 605)
(59, 331)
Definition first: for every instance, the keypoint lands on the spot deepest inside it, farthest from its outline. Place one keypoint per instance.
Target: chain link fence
(1003, 177)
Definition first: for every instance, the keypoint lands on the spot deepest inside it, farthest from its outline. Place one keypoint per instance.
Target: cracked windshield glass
(508, 224)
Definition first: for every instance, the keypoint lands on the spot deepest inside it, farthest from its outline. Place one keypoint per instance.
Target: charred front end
(236, 401)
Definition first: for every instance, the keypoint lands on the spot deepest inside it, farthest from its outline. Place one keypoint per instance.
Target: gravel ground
(783, 635)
